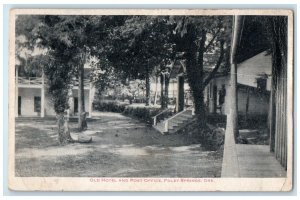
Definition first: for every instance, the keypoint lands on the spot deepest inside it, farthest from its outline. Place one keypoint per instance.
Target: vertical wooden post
(272, 113)
(247, 105)
(167, 126)
(148, 98)
(233, 111)
(154, 121)
(180, 94)
(173, 90)
(43, 95)
(155, 94)
(71, 103)
(167, 79)
(213, 98)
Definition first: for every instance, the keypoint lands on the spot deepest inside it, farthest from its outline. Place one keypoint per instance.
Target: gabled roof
(177, 68)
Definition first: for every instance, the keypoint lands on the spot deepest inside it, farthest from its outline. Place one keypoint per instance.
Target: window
(261, 84)
(37, 104)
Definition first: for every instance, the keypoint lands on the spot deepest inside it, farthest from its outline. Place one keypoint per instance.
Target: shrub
(144, 114)
(109, 106)
(210, 138)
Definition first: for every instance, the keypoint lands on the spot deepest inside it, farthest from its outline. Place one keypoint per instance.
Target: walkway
(258, 161)
(246, 160)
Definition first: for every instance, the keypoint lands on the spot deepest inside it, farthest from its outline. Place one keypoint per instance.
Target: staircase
(174, 123)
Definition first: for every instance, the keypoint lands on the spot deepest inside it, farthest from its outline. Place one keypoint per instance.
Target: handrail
(192, 108)
(166, 122)
(161, 112)
(155, 117)
(30, 80)
(175, 115)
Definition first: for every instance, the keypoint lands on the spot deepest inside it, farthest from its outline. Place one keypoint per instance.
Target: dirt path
(121, 147)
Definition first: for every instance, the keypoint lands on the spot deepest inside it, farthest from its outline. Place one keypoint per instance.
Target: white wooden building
(254, 84)
(32, 99)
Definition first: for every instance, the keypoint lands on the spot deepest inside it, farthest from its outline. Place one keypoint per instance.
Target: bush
(109, 106)
(210, 138)
(144, 114)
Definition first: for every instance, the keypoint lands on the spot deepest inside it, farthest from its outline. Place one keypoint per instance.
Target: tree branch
(212, 40)
(217, 66)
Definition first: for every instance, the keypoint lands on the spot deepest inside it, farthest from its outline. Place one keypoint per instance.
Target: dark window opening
(19, 105)
(261, 84)
(222, 94)
(75, 104)
(37, 104)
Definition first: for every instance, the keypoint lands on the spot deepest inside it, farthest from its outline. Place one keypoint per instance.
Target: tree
(63, 38)
(28, 28)
(199, 37)
(138, 46)
(72, 33)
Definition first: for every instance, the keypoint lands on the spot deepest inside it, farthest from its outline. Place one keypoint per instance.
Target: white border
(84, 184)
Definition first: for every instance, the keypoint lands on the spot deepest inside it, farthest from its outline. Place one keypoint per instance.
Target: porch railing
(86, 82)
(30, 80)
(39, 81)
(166, 122)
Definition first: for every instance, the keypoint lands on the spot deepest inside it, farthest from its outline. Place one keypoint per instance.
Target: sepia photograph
(150, 100)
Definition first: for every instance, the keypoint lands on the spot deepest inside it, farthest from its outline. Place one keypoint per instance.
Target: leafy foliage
(111, 106)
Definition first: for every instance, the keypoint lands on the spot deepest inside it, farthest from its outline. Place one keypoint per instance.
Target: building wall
(208, 93)
(49, 107)
(172, 87)
(258, 102)
(27, 100)
(86, 98)
(247, 73)
(251, 69)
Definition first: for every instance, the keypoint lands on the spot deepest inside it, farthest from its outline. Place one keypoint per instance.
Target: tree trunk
(194, 69)
(64, 136)
(147, 88)
(162, 96)
(82, 125)
(167, 81)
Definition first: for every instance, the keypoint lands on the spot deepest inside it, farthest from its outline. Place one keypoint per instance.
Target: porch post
(180, 94)
(230, 167)
(17, 94)
(43, 96)
(70, 111)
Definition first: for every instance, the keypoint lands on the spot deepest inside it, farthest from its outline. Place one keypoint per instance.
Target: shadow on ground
(121, 147)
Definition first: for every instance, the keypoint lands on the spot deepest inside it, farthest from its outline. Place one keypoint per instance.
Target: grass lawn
(121, 147)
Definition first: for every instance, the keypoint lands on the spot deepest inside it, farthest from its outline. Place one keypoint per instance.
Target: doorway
(19, 105)
(75, 104)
